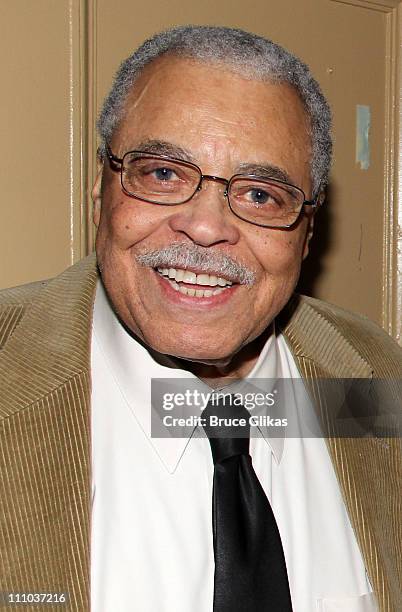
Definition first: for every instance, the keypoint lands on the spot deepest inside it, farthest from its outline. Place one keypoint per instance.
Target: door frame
(392, 241)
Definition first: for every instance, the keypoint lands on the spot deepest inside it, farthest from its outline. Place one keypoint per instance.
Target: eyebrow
(265, 170)
(163, 147)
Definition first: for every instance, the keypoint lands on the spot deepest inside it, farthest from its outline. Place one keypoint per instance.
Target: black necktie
(250, 568)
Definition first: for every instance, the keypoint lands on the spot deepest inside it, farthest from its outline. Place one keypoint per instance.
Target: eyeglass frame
(315, 203)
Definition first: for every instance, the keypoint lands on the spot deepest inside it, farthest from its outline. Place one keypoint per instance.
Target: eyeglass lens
(164, 181)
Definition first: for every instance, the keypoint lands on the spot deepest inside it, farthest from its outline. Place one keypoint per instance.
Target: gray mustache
(185, 255)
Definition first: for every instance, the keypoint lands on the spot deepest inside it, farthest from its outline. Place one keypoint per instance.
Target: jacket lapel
(365, 467)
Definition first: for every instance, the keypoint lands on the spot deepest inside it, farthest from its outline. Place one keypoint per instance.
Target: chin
(201, 352)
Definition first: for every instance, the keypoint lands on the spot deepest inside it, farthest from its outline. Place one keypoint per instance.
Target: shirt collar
(128, 360)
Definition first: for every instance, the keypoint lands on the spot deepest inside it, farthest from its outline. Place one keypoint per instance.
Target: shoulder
(352, 324)
(21, 295)
(14, 303)
(52, 305)
(366, 337)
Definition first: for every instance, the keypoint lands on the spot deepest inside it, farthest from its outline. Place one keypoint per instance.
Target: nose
(206, 219)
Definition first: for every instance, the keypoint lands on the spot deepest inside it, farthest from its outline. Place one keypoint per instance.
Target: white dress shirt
(151, 548)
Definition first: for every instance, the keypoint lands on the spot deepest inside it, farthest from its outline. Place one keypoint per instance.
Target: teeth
(175, 285)
(200, 293)
(206, 279)
(185, 276)
(189, 277)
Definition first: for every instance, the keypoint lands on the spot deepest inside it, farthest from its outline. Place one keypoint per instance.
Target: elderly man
(215, 154)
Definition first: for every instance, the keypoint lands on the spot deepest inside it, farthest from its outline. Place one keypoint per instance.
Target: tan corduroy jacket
(45, 391)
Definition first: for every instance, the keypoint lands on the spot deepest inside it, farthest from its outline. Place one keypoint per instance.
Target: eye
(163, 174)
(259, 196)
(263, 195)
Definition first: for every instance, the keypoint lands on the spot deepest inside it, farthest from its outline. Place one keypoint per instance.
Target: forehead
(214, 112)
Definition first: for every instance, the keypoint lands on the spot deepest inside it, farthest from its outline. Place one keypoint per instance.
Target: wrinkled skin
(224, 121)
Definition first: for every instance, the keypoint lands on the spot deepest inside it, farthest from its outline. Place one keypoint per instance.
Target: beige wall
(54, 83)
(40, 232)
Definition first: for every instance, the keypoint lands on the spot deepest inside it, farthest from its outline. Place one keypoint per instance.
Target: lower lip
(188, 300)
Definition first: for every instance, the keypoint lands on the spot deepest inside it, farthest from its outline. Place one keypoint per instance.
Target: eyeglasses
(160, 179)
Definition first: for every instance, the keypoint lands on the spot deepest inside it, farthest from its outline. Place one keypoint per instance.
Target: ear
(96, 193)
(310, 226)
(309, 234)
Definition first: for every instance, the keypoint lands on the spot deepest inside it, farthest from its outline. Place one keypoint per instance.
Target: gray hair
(249, 55)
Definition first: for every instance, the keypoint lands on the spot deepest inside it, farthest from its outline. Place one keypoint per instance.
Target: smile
(205, 285)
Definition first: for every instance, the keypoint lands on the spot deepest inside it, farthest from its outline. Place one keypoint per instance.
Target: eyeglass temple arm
(317, 200)
(313, 203)
(114, 158)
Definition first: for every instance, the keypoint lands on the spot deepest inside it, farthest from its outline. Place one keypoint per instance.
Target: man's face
(224, 122)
